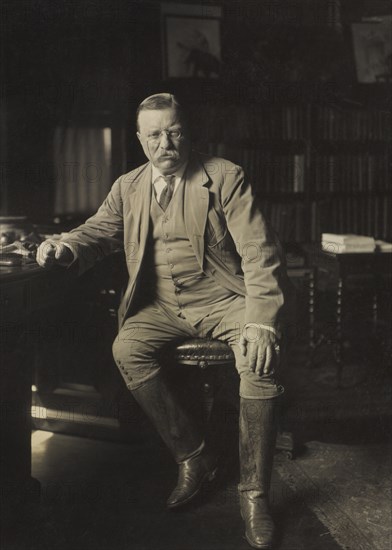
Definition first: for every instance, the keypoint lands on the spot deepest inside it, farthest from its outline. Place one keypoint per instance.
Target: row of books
(290, 122)
(331, 123)
(278, 172)
(271, 172)
(350, 172)
(319, 14)
(287, 219)
(361, 215)
(365, 216)
(252, 122)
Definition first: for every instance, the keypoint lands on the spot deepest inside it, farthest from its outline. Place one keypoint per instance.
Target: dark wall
(66, 61)
(99, 58)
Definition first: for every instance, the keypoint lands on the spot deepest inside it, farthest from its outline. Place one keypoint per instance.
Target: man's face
(165, 152)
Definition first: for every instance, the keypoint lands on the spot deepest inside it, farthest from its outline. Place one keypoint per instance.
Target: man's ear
(139, 137)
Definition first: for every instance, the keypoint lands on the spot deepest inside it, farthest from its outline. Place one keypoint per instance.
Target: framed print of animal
(191, 43)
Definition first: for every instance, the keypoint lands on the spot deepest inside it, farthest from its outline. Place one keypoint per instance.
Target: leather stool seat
(203, 352)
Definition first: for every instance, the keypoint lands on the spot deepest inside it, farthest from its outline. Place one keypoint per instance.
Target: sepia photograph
(195, 275)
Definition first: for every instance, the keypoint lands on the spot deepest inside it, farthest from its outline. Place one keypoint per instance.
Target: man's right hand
(53, 252)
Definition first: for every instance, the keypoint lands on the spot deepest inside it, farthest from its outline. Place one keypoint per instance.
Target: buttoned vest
(173, 274)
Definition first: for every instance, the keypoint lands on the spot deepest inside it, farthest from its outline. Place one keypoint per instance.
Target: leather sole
(208, 477)
(255, 545)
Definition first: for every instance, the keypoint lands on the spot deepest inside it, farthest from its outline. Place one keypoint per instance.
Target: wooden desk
(343, 273)
(26, 293)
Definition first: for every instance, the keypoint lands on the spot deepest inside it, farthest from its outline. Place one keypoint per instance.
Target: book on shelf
(254, 122)
(350, 172)
(287, 219)
(363, 215)
(270, 171)
(352, 125)
(299, 174)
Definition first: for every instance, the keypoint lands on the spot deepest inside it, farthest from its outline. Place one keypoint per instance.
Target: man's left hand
(261, 347)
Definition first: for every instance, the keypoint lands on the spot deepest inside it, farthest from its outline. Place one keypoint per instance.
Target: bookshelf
(316, 168)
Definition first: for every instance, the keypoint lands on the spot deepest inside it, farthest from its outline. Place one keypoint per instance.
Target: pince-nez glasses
(172, 134)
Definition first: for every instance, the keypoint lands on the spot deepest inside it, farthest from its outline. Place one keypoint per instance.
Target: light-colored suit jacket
(229, 235)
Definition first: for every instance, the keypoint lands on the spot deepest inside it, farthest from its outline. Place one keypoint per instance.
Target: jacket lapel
(196, 201)
(140, 201)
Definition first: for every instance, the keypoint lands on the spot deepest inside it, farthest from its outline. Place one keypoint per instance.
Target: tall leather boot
(196, 465)
(258, 429)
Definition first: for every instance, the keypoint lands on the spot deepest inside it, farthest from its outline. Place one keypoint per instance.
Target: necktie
(167, 192)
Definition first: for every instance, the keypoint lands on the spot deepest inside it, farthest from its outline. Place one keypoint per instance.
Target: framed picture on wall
(373, 50)
(191, 41)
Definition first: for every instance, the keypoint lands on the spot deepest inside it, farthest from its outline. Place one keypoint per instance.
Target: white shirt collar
(159, 183)
(156, 174)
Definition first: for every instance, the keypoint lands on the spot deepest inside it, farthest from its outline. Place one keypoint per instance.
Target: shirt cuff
(274, 331)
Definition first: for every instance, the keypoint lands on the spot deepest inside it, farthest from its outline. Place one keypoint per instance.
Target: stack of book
(349, 243)
(383, 246)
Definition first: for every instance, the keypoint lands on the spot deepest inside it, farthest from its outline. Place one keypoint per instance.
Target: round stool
(205, 354)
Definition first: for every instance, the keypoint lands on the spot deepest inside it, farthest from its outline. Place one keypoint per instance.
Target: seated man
(202, 262)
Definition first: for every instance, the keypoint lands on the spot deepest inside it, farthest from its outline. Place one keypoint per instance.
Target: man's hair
(158, 102)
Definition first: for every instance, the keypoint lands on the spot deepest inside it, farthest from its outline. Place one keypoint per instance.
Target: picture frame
(372, 49)
(191, 42)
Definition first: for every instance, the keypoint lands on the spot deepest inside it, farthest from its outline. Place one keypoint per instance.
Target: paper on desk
(383, 246)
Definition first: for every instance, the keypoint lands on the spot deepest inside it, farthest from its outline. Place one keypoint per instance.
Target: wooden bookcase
(317, 168)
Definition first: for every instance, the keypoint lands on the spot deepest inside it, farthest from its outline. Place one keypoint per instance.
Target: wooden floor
(99, 495)
(336, 494)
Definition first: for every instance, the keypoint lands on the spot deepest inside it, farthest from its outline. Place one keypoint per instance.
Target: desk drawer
(358, 267)
(47, 291)
(14, 301)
